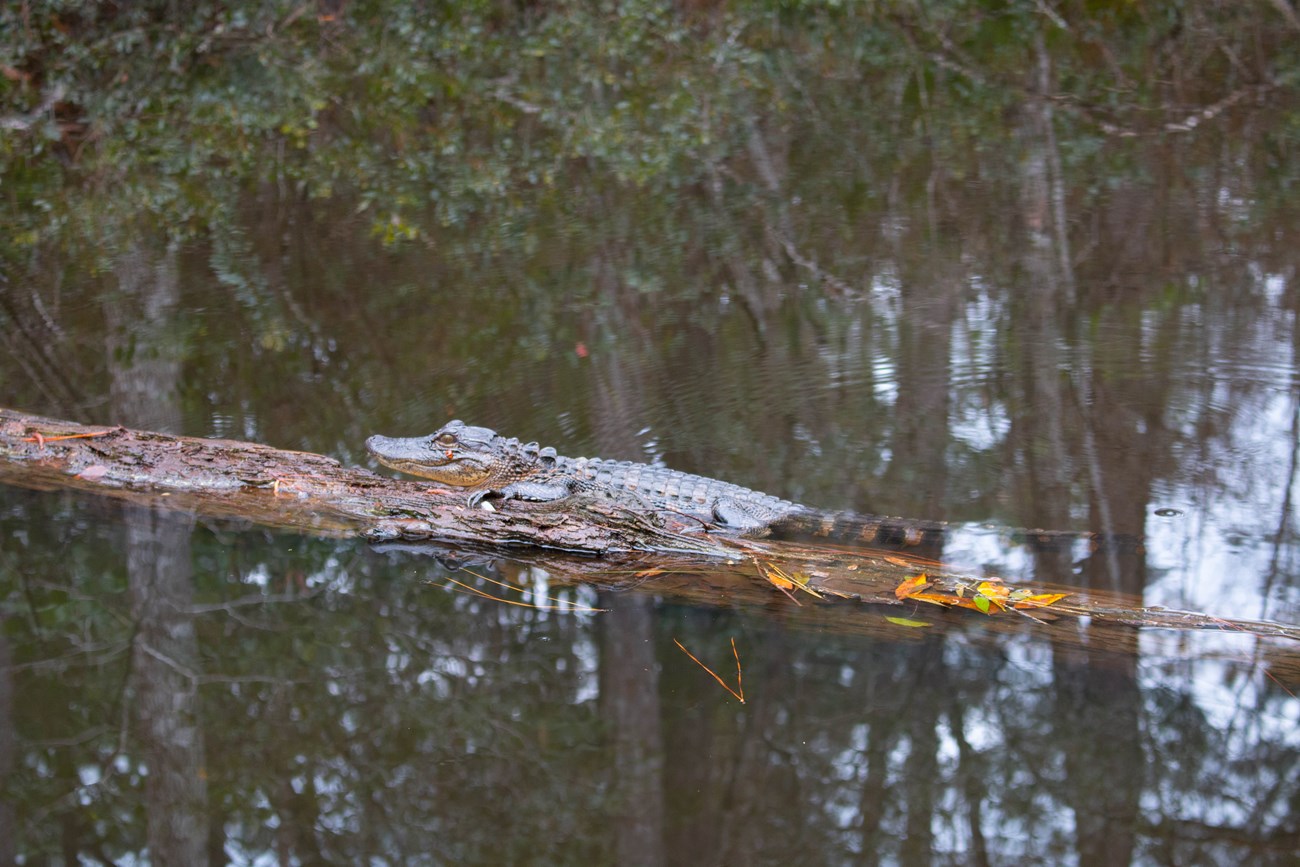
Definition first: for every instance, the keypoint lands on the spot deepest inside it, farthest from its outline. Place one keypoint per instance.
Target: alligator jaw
(419, 456)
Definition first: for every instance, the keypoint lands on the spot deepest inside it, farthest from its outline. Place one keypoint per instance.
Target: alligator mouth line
(444, 466)
(461, 473)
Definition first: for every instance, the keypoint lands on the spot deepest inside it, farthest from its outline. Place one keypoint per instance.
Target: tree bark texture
(309, 492)
(313, 494)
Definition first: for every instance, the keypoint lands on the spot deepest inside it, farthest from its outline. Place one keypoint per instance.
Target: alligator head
(462, 455)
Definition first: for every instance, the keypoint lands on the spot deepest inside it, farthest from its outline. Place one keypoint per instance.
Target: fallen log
(314, 494)
(311, 493)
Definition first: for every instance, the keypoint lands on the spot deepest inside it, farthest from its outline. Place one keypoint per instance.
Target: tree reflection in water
(1031, 265)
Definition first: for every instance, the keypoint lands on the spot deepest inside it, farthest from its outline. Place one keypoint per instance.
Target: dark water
(854, 303)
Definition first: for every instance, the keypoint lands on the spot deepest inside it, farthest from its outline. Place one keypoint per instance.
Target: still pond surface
(850, 305)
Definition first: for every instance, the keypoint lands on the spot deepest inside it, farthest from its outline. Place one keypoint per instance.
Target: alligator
(498, 468)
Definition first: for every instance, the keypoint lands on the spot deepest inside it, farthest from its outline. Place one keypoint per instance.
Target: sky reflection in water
(1028, 325)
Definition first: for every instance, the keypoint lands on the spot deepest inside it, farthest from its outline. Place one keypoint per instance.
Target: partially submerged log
(309, 492)
(314, 494)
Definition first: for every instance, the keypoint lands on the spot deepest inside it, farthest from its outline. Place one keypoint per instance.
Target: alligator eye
(447, 439)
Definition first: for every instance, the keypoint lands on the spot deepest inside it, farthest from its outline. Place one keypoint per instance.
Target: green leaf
(982, 603)
(903, 621)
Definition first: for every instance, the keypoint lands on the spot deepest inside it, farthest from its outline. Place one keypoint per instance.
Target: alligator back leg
(740, 518)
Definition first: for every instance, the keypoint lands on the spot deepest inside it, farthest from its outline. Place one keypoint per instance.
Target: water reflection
(329, 704)
(354, 705)
(160, 693)
(887, 290)
(368, 708)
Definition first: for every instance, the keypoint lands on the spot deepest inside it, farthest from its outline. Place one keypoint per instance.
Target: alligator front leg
(537, 492)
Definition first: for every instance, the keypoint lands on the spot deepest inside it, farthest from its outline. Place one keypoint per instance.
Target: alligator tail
(859, 530)
(927, 537)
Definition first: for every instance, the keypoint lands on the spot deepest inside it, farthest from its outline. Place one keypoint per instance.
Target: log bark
(312, 493)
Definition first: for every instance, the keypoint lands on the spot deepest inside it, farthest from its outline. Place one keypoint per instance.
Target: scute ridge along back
(503, 468)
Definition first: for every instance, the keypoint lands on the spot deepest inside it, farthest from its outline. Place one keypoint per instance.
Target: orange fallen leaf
(786, 581)
(778, 580)
(994, 593)
(912, 586)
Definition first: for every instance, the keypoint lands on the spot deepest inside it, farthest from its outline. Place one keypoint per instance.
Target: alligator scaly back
(494, 467)
(497, 467)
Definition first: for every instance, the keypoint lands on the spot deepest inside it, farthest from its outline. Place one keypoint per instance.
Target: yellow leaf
(903, 621)
(786, 582)
(995, 593)
(912, 586)
(1040, 600)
